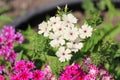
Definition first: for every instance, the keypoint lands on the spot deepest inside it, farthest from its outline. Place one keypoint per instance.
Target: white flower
(59, 28)
(43, 28)
(63, 54)
(74, 45)
(85, 31)
(54, 20)
(69, 18)
(71, 34)
(57, 40)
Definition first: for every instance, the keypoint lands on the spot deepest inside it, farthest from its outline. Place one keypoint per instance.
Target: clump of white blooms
(65, 35)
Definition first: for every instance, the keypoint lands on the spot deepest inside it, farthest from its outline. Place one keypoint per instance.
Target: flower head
(85, 31)
(93, 70)
(63, 54)
(44, 29)
(38, 75)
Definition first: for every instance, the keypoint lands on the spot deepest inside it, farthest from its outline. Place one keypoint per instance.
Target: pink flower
(93, 70)
(2, 77)
(30, 65)
(19, 38)
(12, 56)
(102, 72)
(107, 77)
(19, 65)
(87, 61)
(38, 75)
(16, 77)
(1, 69)
(72, 72)
(25, 75)
(89, 77)
(6, 52)
(10, 45)
(8, 30)
(48, 73)
(1, 38)
(1, 52)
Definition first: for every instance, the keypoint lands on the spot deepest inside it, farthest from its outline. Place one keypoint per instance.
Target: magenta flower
(48, 73)
(19, 65)
(1, 38)
(87, 61)
(5, 51)
(107, 77)
(16, 77)
(2, 77)
(19, 38)
(12, 56)
(8, 30)
(38, 75)
(30, 65)
(25, 75)
(1, 69)
(89, 77)
(10, 45)
(72, 72)
(93, 70)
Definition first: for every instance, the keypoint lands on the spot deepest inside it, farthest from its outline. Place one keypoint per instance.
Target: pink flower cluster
(87, 72)
(26, 70)
(8, 36)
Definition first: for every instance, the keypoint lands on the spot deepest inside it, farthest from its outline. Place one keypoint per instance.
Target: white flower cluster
(65, 35)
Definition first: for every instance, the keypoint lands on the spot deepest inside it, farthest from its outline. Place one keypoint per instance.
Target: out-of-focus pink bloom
(48, 73)
(10, 45)
(37, 75)
(89, 77)
(2, 77)
(93, 70)
(103, 72)
(1, 69)
(107, 77)
(19, 38)
(1, 38)
(12, 56)
(15, 77)
(87, 61)
(6, 52)
(8, 30)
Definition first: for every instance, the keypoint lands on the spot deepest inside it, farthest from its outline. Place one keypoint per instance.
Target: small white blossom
(63, 54)
(44, 29)
(54, 20)
(85, 31)
(71, 34)
(69, 18)
(74, 45)
(59, 28)
(57, 42)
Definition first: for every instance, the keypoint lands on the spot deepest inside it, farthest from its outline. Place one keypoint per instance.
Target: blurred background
(15, 8)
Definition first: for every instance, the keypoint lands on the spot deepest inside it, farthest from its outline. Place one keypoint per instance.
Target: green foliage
(4, 9)
(19, 56)
(4, 18)
(36, 48)
(62, 11)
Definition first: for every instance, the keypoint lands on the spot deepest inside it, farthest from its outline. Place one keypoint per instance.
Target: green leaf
(4, 18)
(19, 56)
